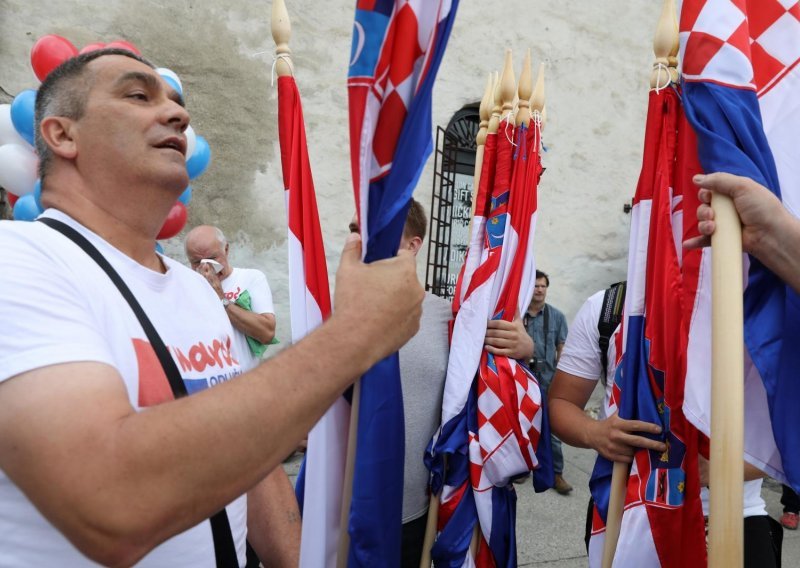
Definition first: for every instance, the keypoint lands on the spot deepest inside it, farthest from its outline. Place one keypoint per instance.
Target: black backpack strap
(224, 549)
(610, 316)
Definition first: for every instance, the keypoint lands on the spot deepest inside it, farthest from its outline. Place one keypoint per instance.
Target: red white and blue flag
(494, 426)
(662, 522)
(396, 51)
(742, 97)
(320, 483)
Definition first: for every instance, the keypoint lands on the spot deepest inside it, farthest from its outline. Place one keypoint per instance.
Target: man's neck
(535, 308)
(132, 235)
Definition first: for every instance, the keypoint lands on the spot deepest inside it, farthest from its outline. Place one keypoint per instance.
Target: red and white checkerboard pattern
(509, 425)
(400, 71)
(739, 43)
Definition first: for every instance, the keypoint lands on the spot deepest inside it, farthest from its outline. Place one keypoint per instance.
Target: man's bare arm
(258, 326)
(614, 438)
(117, 482)
(273, 521)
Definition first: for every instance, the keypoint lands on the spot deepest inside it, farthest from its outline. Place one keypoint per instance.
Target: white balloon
(18, 168)
(9, 134)
(191, 141)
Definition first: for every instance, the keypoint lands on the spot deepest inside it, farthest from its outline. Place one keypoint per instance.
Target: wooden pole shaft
(616, 503)
(349, 469)
(726, 467)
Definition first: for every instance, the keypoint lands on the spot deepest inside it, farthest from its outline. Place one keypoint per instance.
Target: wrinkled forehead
(114, 71)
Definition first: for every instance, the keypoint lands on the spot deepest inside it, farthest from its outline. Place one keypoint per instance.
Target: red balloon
(175, 221)
(49, 52)
(92, 47)
(122, 44)
(12, 199)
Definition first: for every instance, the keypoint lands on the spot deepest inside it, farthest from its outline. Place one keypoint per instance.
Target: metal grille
(441, 212)
(451, 201)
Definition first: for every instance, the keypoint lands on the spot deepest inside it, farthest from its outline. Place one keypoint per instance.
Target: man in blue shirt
(547, 326)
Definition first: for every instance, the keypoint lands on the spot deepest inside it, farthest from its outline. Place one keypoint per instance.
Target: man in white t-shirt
(243, 292)
(98, 462)
(616, 439)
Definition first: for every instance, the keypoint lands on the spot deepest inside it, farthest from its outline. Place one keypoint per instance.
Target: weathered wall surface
(598, 56)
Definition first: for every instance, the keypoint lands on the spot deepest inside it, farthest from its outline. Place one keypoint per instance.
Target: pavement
(550, 526)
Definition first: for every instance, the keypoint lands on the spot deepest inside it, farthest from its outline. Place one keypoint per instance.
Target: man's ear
(57, 134)
(414, 244)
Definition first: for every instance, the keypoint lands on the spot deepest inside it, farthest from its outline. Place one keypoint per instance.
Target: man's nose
(176, 115)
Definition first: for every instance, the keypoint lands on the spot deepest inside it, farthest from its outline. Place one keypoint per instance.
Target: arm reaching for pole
(614, 438)
(769, 231)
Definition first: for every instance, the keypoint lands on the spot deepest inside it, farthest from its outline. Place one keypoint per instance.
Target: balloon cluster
(18, 159)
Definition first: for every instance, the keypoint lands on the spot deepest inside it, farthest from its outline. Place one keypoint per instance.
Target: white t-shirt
(581, 357)
(58, 306)
(254, 282)
(581, 353)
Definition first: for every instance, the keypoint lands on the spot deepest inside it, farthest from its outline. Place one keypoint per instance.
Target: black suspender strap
(224, 549)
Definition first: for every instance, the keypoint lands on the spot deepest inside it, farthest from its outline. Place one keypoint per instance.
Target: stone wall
(598, 57)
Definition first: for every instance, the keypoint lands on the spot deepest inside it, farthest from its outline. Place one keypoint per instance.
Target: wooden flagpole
(726, 464)
(665, 47)
(480, 140)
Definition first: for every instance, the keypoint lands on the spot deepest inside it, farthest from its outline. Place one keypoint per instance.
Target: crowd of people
(124, 439)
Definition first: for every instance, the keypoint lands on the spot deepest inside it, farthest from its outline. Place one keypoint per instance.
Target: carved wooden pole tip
(665, 47)
(281, 28)
(508, 85)
(524, 91)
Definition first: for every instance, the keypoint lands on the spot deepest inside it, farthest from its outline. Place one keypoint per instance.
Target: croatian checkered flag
(494, 426)
(741, 94)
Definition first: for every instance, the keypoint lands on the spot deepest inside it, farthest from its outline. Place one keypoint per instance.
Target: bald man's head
(208, 242)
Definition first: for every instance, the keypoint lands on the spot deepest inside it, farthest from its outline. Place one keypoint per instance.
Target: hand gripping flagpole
(665, 47)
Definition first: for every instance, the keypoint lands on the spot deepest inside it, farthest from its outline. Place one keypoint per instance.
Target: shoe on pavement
(563, 488)
(789, 520)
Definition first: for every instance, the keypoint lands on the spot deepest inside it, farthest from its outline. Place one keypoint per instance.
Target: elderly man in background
(243, 292)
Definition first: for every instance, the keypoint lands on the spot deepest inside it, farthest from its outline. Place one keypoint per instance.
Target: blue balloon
(22, 110)
(37, 194)
(25, 208)
(199, 160)
(186, 196)
(159, 248)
